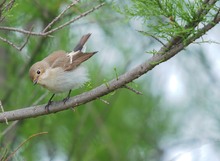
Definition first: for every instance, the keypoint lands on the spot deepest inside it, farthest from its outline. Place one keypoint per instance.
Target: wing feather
(77, 59)
(54, 56)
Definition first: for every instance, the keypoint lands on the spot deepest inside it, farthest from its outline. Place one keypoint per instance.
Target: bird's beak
(35, 81)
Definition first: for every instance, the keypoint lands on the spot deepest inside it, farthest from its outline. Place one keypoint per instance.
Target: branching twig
(34, 135)
(22, 31)
(13, 45)
(45, 32)
(60, 15)
(10, 43)
(53, 30)
(75, 19)
(26, 41)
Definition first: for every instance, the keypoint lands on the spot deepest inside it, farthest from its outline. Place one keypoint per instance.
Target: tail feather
(82, 42)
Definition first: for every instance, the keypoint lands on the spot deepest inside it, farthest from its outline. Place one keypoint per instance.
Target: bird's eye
(38, 71)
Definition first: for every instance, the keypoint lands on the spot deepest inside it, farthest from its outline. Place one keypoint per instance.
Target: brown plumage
(64, 61)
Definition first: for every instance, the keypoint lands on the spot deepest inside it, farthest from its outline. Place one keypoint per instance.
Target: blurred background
(176, 119)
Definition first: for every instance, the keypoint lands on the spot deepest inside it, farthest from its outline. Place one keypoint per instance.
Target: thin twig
(9, 128)
(10, 43)
(207, 42)
(1, 106)
(22, 31)
(26, 41)
(133, 90)
(53, 30)
(60, 15)
(76, 18)
(106, 102)
(15, 46)
(145, 33)
(30, 137)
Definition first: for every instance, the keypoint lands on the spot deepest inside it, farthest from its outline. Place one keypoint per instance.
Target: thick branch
(104, 89)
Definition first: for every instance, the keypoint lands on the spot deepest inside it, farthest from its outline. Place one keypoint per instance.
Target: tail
(82, 42)
(86, 56)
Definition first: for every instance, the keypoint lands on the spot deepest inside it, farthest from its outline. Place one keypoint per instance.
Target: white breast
(56, 80)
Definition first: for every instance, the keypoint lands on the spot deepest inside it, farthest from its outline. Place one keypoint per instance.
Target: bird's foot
(66, 99)
(47, 106)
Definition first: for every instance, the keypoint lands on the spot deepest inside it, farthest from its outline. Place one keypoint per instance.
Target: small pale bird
(61, 71)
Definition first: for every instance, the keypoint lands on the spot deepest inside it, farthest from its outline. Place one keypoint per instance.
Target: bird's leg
(49, 103)
(68, 96)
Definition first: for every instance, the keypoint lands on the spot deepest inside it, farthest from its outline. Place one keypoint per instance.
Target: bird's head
(36, 71)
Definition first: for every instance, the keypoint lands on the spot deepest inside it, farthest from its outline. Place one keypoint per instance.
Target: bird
(62, 71)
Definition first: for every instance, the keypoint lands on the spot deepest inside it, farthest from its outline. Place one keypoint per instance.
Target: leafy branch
(168, 19)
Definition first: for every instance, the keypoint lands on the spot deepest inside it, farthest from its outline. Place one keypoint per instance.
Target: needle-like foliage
(167, 18)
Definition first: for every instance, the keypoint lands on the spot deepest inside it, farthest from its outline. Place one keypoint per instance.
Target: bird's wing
(52, 58)
(71, 61)
(77, 59)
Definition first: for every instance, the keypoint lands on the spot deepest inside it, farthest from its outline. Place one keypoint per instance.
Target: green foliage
(167, 18)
